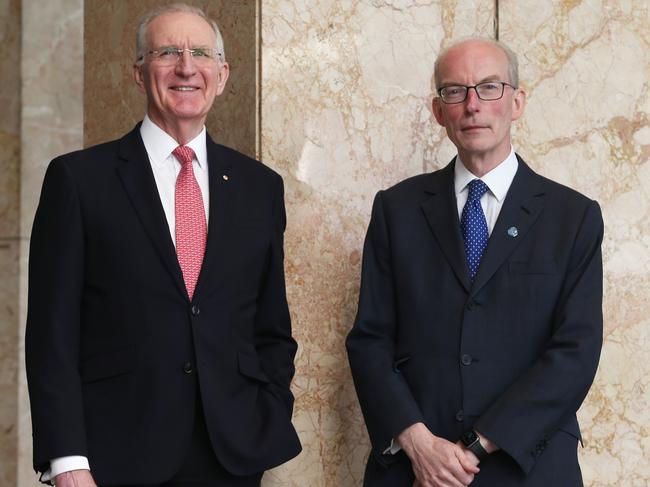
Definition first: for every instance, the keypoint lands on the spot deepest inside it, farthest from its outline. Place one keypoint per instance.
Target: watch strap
(477, 449)
(475, 446)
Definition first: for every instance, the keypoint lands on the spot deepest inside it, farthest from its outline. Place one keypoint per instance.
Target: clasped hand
(437, 462)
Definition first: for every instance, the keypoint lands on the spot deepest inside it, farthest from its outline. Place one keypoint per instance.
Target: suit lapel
(222, 182)
(138, 181)
(441, 212)
(523, 204)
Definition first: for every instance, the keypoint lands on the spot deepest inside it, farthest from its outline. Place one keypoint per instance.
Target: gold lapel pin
(225, 177)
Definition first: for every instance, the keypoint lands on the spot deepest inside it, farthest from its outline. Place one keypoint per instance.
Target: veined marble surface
(51, 124)
(585, 65)
(9, 241)
(346, 92)
(345, 111)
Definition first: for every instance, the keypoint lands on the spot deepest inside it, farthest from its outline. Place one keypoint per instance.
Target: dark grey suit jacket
(512, 354)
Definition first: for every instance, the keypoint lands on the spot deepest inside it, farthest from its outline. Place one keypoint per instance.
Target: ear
(222, 76)
(518, 104)
(138, 76)
(436, 107)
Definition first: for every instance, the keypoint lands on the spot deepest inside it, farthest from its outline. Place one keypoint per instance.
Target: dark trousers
(201, 467)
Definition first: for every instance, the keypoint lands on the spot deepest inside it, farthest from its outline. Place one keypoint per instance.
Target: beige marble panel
(9, 242)
(346, 89)
(585, 65)
(51, 124)
(112, 103)
(10, 119)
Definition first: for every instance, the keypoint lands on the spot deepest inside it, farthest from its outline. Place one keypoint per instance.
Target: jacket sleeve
(386, 401)
(550, 392)
(273, 340)
(53, 320)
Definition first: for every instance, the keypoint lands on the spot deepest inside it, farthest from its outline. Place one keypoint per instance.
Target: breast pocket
(533, 267)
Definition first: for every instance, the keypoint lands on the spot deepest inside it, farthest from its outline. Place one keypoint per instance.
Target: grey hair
(141, 32)
(513, 63)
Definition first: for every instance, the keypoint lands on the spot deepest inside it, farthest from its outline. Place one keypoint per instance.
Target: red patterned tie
(191, 228)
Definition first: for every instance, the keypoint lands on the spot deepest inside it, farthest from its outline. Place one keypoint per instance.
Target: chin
(188, 113)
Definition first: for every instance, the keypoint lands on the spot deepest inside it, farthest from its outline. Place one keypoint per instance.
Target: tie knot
(184, 154)
(477, 188)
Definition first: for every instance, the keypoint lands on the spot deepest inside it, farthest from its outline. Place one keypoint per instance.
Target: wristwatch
(473, 443)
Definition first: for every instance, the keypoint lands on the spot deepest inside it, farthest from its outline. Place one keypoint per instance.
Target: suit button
(466, 359)
(187, 367)
(195, 310)
(460, 416)
(470, 306)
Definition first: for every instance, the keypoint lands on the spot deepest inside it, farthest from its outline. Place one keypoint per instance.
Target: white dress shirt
(498, 181)
(159, 145)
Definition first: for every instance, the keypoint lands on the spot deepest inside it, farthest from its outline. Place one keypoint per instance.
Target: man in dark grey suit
(479, 326)
(159, 348)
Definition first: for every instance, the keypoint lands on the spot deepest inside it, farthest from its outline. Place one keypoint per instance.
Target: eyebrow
(177, 46)
(487, 79)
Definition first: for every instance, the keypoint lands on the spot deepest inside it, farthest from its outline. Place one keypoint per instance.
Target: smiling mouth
(184, 88)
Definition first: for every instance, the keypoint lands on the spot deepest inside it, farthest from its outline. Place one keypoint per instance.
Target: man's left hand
(75, 478)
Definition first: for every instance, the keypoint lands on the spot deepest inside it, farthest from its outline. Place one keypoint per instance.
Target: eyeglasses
(488, 91)
(169, 56)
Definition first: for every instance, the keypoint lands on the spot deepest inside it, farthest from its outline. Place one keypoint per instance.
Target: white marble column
(51, 124)
(9, 237)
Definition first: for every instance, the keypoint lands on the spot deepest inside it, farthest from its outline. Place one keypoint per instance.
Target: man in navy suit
(159, 347)
(479, 325)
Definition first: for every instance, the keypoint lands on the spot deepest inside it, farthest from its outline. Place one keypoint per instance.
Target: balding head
(510, 58)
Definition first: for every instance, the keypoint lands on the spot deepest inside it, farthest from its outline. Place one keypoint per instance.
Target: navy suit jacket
(117, 353)
(511, 354)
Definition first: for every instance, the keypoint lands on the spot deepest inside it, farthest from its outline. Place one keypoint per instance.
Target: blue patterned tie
(474, 226)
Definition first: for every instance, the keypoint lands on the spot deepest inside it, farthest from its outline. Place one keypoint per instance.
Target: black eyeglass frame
(467, 88)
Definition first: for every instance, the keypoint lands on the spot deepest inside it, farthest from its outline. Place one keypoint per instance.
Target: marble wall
(346, 91)
(9, 235)
(585, 65)
(51, 123)
(341, 109)
(346, 88)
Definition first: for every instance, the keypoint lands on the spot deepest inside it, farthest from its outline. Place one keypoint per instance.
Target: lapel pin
(225, 177)
(513, 232)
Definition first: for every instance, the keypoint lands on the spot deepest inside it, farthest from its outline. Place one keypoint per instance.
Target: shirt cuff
(65, 464)
(393, 448)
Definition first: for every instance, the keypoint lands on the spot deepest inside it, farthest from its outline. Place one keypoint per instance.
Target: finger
(75, 478)
(449, 480)
(63, 480)
(467, 465)
(459, 475)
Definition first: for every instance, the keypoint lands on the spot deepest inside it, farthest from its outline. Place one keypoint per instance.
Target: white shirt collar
(498, 180)
(160, 145)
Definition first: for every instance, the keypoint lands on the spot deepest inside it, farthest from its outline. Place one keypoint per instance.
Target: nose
(185, 66)
(472, 102)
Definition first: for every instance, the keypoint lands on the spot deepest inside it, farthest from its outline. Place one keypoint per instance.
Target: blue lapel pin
(513, 232)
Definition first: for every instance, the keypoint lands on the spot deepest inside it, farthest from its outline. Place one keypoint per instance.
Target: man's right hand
(436, 462)
(75, 478)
